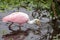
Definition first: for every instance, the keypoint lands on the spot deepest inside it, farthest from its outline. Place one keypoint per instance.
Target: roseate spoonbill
(20, 18)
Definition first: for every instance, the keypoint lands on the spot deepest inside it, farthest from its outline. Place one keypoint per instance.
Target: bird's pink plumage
(17, 17)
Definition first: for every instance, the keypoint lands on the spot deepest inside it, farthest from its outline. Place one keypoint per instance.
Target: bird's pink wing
(17, 17)
(8, 18)
(20, 18)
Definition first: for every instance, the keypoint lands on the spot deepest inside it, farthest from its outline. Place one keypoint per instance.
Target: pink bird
(20, 18)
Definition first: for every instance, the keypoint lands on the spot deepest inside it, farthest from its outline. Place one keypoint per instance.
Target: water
(31, 36)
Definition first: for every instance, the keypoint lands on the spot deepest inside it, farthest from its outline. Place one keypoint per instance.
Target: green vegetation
(29, 4)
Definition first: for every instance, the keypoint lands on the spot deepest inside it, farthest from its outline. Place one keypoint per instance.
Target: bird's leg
(10, 26)
(19, 28)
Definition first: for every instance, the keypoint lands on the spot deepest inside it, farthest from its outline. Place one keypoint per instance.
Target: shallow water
(4, 27)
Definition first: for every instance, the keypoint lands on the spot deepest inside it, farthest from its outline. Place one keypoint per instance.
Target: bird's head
(34, 21)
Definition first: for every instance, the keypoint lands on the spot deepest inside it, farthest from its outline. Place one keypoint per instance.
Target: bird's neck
(31, 22)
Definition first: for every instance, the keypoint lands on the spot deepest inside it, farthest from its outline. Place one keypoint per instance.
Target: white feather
(32, 21)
